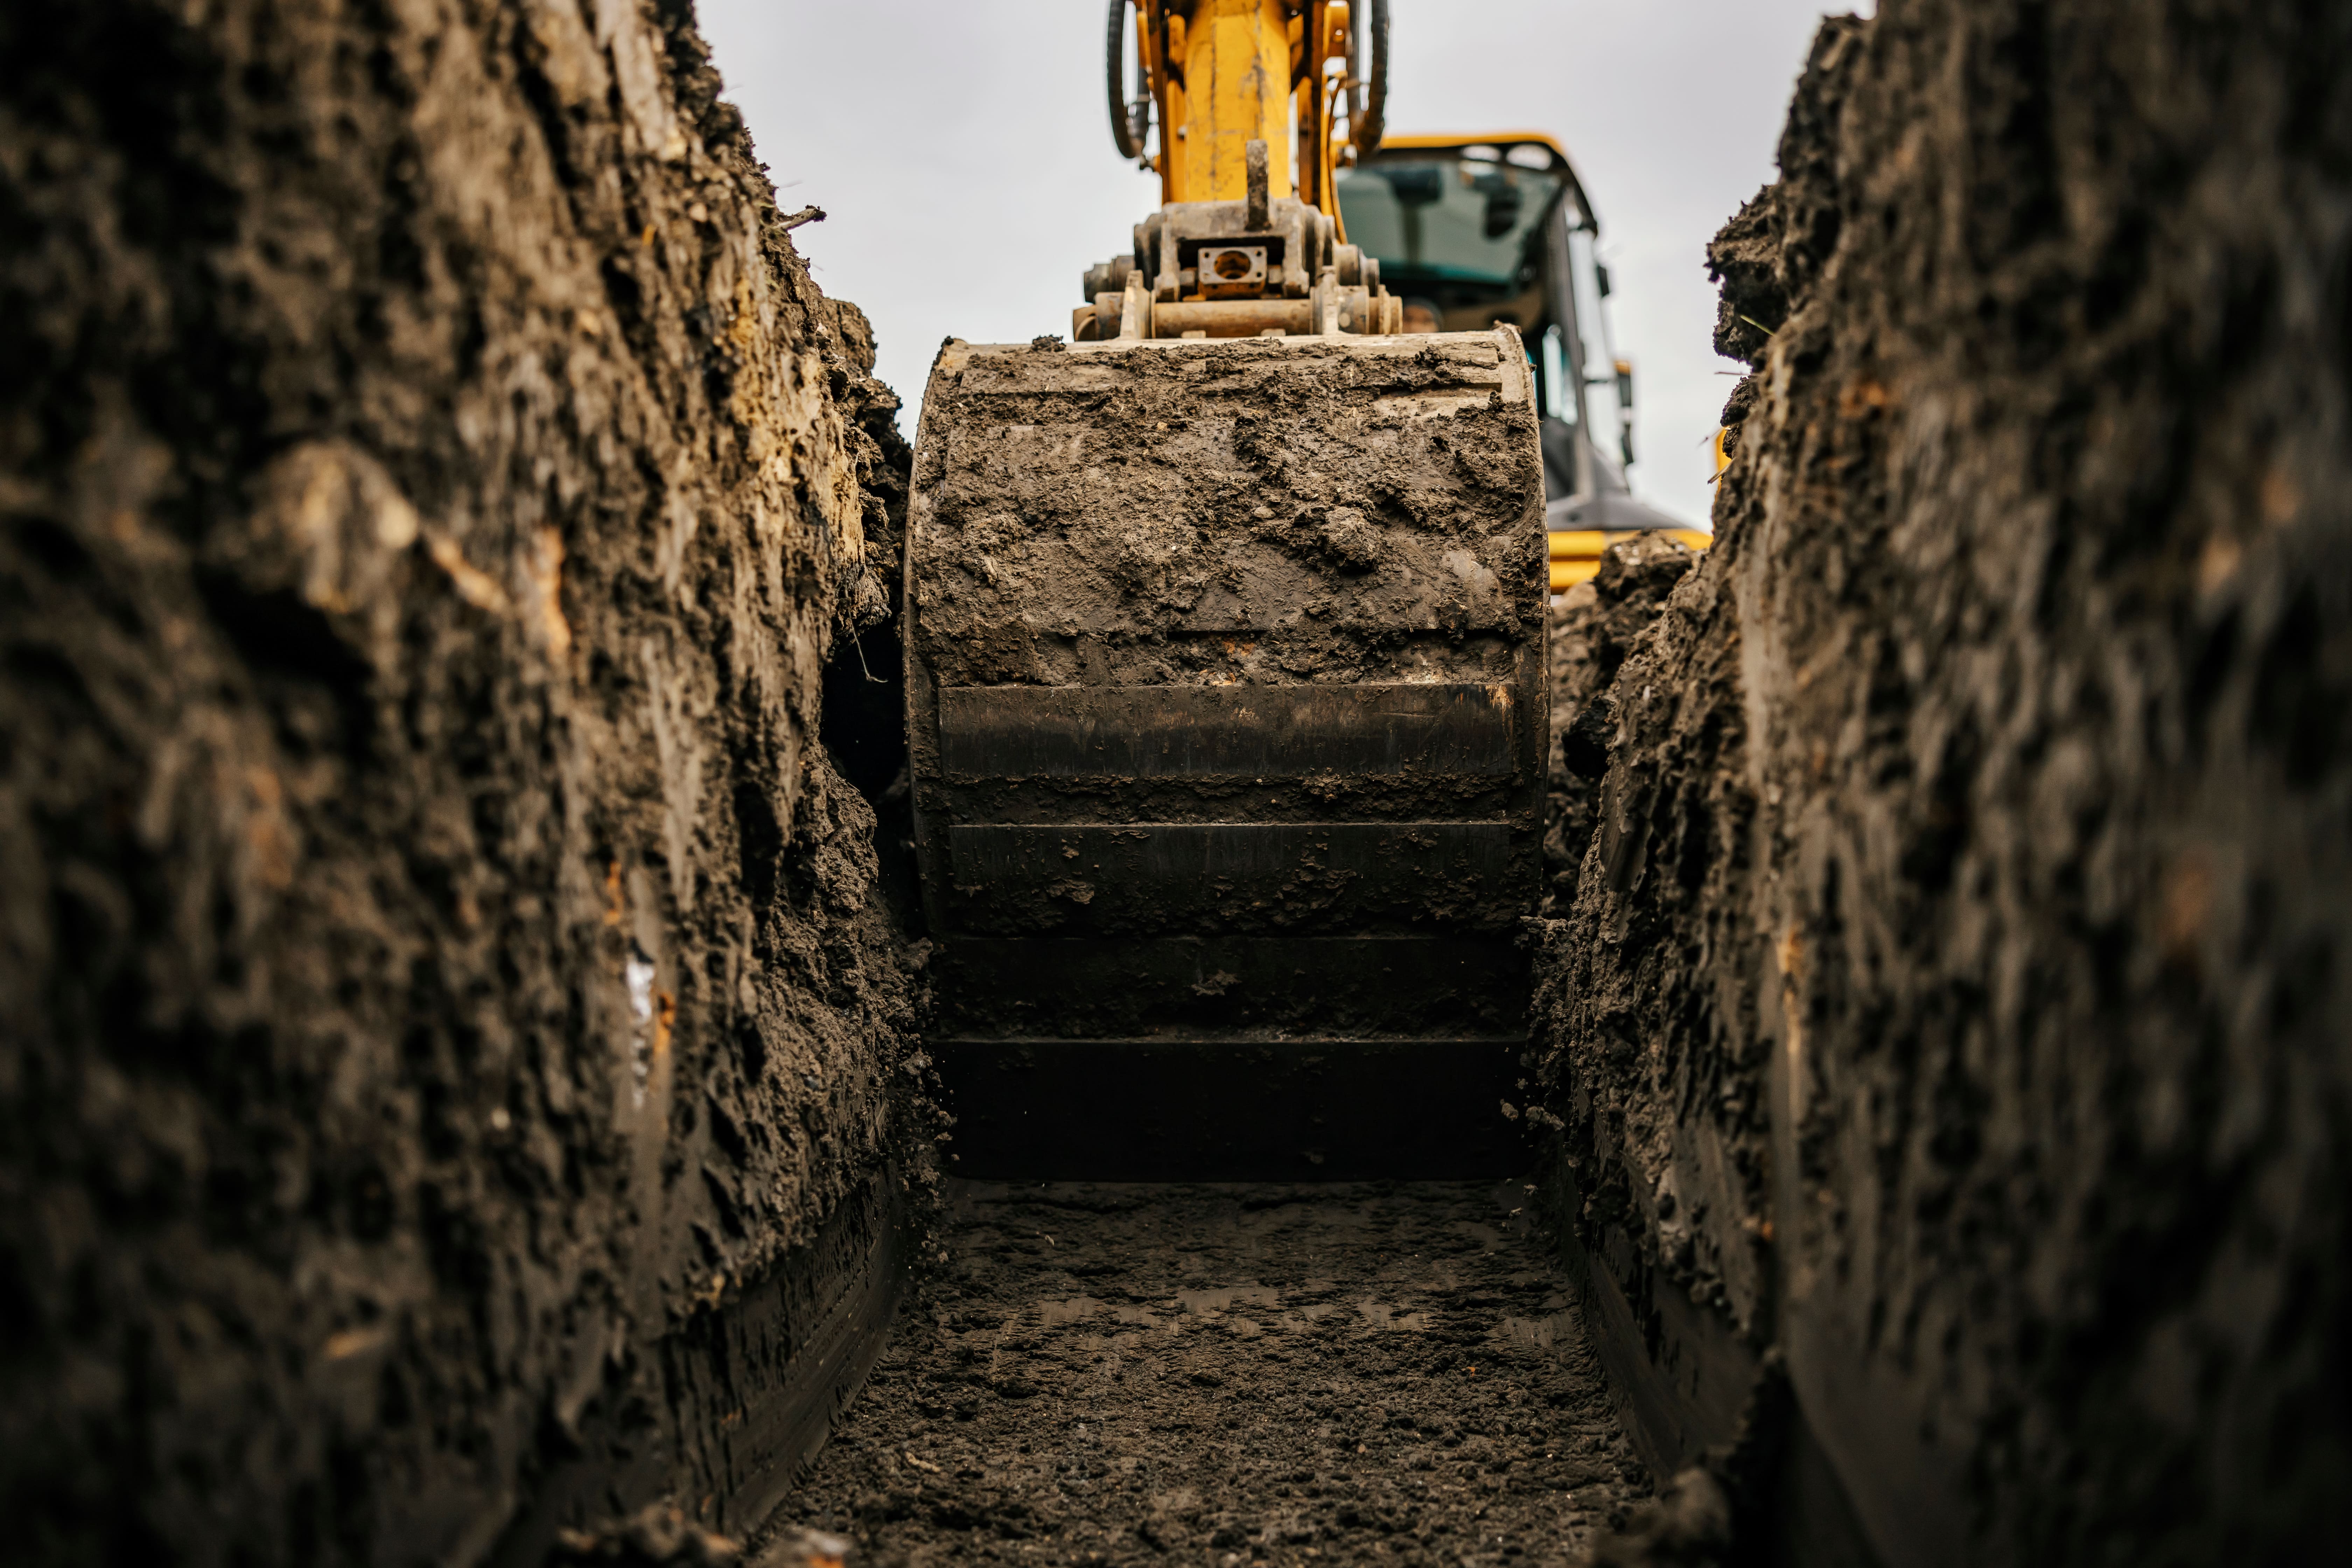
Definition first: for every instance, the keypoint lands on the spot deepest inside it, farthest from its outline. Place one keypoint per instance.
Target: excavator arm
(1214, 72)
(1226, 704)
(1249, 97)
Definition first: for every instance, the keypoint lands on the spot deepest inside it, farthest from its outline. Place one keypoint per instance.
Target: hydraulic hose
(1124, 133)
(1365, 133)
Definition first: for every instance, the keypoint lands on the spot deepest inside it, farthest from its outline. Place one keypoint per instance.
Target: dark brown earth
(1952, 1008)
(1272, 512)
(1593, 629)
(442, 969)
(456, 1041)
(1231, 1374)
(1243, 514)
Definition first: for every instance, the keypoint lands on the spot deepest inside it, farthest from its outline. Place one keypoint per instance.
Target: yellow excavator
(1472, 230)
(1468, 231)
(1226, 694)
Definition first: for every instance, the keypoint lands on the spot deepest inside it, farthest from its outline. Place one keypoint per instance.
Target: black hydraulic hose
(1123, 130)
(1366, 133)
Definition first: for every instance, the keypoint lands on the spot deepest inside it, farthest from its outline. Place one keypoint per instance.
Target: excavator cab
(1473, 231)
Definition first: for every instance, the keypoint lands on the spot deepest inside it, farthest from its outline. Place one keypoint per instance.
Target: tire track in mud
(1231, 1374)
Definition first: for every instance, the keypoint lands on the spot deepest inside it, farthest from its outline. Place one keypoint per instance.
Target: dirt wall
(1951, 1015)
(454, 1044)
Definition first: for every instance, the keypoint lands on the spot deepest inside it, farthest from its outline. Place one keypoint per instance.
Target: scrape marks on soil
(1228, 1375)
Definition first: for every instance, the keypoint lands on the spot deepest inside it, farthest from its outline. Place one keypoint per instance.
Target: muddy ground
(1231, 1374)
(1589, 635)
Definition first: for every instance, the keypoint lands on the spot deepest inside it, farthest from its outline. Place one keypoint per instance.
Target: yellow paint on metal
(1228, 72)
(1488, 139)
(1575, 553)
(1319, 92)
(1236, 89)
(1338, 23)
(1175, 167)
(1587, 544)
(1575, 544)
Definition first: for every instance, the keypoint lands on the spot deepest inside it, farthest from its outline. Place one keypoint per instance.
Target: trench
(468, 1092)
(1234, 1374)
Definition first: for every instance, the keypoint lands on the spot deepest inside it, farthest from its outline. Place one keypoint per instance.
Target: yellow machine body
(1576, 551)
(1550, 286)
(1444, 142)
(1250, 98)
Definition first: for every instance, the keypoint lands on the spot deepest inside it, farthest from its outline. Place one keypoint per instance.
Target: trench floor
(1227, 1376)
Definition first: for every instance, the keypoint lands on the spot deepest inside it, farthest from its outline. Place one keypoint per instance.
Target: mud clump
(1279, 1375)
(1689, 1526)
(1352, 541)
(444, 975)
(1172, 515)
(1596, 624)
(1951, 1008)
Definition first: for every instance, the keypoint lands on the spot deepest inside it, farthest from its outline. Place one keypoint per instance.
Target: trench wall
(456, 1067)
(1949, 1026)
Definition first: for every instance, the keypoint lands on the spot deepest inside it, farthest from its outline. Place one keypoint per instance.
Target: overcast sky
(963, 154)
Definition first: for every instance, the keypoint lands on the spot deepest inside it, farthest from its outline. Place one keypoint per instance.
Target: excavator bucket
(1227, 714)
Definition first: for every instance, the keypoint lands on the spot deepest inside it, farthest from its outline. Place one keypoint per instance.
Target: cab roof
(1503, 141)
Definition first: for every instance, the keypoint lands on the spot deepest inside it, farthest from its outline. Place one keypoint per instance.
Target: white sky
(963, 154)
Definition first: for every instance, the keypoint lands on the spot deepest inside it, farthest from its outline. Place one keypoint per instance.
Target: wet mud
(463, 1095)
(1231, 1374)
(1272, 512)
(1243, 515)
(1596, 624)
(1947, 1011)
(448, 985)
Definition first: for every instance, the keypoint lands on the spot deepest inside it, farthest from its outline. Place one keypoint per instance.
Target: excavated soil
(1229, 1374)
(1243, 514)
(1593, 629)
(447, 988)
(1950, 1008)
(1248, 511)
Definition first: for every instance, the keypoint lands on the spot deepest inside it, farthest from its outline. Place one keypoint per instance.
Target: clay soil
(1231, 1374)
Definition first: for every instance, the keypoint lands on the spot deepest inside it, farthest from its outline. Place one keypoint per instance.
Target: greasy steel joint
(1241, 221)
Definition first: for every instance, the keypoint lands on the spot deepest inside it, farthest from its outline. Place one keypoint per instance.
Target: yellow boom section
(1232, 73)
(1235, 90)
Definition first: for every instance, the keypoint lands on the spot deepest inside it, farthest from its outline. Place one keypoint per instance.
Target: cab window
(1459, 237)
